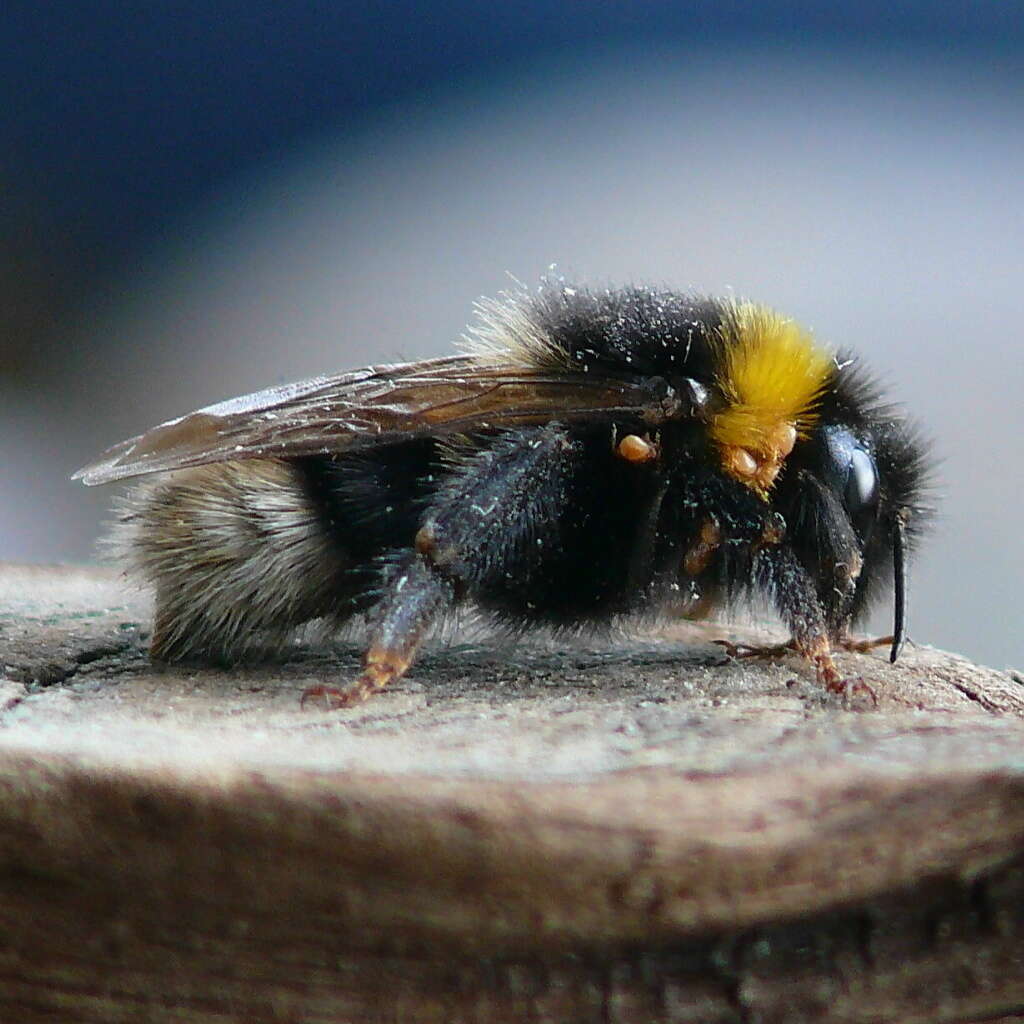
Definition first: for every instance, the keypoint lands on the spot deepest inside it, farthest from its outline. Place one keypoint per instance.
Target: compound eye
(861, 491)
(850, 470)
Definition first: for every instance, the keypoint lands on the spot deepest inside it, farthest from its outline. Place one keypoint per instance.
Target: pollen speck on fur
(634, 448)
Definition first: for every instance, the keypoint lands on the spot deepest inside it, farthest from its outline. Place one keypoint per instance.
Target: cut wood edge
(488, 866)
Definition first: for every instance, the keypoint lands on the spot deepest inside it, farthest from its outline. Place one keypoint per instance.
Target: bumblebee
(590, 454)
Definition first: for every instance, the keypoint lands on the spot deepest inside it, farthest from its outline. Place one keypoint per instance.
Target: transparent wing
(379, 404)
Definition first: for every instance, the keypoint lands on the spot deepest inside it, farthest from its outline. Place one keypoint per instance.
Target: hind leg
(494, 521)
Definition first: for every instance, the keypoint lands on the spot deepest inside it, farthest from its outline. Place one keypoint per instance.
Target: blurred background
(200, 199)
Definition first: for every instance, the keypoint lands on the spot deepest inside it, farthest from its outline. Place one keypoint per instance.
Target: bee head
(854, 498)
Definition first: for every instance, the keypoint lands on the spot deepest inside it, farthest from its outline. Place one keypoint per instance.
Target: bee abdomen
(237, 555)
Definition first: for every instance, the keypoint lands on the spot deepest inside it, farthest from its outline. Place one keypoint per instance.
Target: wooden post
(640, 830)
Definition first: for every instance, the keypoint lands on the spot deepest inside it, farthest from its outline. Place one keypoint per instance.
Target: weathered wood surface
(631, 830)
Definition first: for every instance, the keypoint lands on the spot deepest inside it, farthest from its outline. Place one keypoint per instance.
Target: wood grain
(630, 829)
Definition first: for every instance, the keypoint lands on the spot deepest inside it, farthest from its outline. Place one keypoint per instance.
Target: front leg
(496, 517)
(780, 574)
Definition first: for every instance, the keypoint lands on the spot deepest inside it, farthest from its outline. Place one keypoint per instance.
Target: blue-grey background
(201, 199)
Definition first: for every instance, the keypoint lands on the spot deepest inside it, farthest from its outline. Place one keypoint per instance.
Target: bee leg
(744, 651)
(500, 508)
(848, 643)
(781, 575)
(709, 539)
(820, 656)
(416, 598)
(773, 532)
(642, 560)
